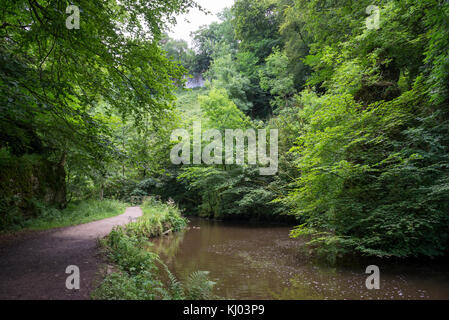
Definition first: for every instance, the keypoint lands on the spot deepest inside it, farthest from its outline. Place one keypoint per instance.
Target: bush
(122, 286)
(157, 218)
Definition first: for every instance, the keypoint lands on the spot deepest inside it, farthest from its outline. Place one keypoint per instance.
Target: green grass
(157, 218)
(187, 102)
(76, 213)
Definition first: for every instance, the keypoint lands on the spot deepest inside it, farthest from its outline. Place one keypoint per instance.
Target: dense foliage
(362, 113)
(68, 96)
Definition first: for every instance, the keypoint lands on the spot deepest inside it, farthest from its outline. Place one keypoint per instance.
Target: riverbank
(135, 273)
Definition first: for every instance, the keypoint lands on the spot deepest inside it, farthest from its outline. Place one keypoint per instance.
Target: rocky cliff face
(195, 82)
(29, 179)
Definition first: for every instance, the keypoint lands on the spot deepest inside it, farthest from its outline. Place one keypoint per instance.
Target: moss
(26, 181)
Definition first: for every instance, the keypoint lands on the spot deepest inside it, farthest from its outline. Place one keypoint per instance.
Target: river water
(261, 262)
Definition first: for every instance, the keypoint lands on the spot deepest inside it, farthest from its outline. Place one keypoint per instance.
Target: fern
(199, 287)
(175, 288)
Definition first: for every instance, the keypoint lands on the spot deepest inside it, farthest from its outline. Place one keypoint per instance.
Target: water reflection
(260, 262)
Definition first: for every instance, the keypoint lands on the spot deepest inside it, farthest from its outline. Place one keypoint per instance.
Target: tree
(256, 25)
(275, 78)
(179, 51)
(208, 40)
(59, 87)
(371, 147)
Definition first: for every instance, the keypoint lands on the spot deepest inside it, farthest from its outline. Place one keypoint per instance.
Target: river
(250, 261)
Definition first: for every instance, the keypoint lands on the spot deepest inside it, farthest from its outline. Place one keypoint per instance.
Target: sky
(194, 19)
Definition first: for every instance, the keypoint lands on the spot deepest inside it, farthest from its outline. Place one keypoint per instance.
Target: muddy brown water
(258, 262)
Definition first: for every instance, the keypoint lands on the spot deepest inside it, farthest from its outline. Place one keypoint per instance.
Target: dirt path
(32, 266)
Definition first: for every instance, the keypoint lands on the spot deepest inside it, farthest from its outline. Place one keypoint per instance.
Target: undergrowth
(140, 274)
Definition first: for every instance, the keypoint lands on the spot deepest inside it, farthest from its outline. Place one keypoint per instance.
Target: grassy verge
(76, 213)
(140, 274)
(187, 102)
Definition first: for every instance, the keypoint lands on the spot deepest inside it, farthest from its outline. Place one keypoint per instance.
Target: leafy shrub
(157, 218)
(127, 252)
(122, 286)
